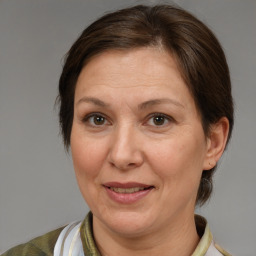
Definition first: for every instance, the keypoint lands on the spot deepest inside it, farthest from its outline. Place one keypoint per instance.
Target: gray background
(38, 191)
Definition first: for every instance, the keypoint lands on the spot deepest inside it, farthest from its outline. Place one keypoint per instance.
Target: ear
(216, 142)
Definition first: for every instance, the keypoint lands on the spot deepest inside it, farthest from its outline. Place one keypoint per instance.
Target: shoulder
(40, 246)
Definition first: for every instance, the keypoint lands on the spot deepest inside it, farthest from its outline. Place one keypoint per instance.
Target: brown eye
(159, 120)
(98, 120)
(95, 120)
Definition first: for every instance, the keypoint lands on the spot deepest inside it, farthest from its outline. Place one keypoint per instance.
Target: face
(137, 141)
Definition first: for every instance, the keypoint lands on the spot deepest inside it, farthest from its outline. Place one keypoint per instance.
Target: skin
(127, 144)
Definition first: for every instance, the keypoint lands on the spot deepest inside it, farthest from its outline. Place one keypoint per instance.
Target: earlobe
(216, 142)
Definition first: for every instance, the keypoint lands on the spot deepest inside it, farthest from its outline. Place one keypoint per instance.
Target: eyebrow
(94, 101)
(143, 105)
(153, 102)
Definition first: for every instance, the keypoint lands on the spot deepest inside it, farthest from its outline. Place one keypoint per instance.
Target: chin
(128, 224)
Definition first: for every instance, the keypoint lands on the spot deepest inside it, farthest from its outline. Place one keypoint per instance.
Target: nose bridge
(125, 151)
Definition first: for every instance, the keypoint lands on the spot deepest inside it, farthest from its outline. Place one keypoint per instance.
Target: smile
(127, 190)
(127, 193)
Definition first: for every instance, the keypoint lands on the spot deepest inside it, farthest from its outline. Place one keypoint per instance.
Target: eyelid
(86, 118)
(169, 118)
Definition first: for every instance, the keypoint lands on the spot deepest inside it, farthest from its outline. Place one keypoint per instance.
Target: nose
(125, 148)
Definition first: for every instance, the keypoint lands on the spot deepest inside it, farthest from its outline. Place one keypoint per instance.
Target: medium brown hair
(198, 53)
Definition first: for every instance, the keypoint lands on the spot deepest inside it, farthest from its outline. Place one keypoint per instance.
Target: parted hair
(198, 53)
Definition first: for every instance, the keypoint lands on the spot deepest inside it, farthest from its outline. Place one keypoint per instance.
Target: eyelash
(167, 118)
(86, 119)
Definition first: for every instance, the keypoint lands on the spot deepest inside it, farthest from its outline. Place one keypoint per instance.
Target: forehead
(132, 77)
(126, 68)
(126, 80)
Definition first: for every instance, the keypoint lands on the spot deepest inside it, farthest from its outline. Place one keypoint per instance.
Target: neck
(179, 239)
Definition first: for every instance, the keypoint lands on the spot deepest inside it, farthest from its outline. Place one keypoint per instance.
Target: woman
(146, 109)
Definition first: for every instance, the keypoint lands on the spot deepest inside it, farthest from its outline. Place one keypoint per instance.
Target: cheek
(87, 157)
(178, 163)
(179, 174)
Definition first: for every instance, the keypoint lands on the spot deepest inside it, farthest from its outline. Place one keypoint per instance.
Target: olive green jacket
(44, 245)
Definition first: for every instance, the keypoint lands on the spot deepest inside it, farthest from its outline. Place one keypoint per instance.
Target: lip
(126, 185)
(126, 197)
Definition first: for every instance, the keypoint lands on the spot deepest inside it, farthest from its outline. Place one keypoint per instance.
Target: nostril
(131, 164)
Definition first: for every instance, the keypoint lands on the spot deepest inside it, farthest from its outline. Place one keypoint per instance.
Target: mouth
(129, 190)
(127, 193)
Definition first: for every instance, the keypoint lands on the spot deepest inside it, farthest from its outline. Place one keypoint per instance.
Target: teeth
(127, 190)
